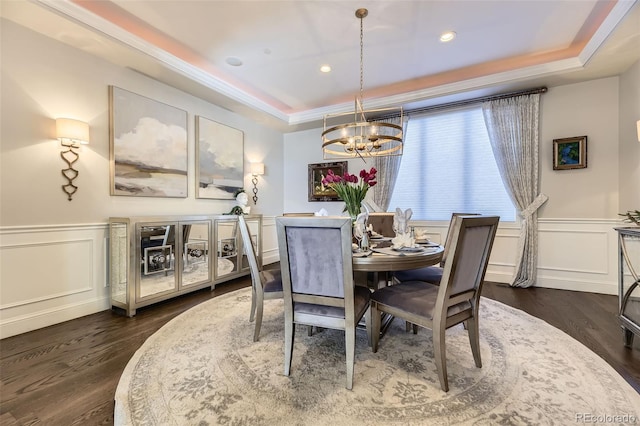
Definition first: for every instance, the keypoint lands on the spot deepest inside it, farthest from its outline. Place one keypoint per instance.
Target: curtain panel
(388, 168)
(512, 125)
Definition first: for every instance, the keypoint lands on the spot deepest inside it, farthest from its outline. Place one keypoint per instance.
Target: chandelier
(362, 137)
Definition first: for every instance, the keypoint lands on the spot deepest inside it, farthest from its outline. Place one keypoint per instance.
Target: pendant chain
(361, 64)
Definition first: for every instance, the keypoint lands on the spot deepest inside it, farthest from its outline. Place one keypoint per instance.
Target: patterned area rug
(203, 368)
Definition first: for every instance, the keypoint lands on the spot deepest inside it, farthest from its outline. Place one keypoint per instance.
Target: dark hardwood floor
(66, 374)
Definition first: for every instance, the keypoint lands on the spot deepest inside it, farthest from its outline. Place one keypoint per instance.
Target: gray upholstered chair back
(382, 223)
(470, 248)
(449, 236)
(316, 260)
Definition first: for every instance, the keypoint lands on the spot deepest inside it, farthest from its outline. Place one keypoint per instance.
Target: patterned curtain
(387, 172)
(513, 131)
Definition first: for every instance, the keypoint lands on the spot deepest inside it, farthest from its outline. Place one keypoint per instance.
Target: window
(448, 166)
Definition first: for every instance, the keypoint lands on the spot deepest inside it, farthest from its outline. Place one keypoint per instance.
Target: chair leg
(350, 345)
(367, 323)
(439, 353)
(253, 305)
(409, 326)
(474, 340)
(289, 332)
(375, 326)
(258, 317)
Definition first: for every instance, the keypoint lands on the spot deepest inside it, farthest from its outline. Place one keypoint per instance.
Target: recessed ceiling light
(233, 61)
(447, 36)
(325, 68)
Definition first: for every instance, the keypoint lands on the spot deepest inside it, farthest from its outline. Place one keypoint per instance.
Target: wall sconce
(638, 126)
(71, 133)
(256, 170)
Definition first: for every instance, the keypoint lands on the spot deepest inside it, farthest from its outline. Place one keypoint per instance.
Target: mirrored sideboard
(154, 258)
(629, 282)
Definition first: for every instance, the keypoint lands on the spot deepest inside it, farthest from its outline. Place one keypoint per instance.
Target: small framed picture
(570, 153)
(319, 191)
(157, 259)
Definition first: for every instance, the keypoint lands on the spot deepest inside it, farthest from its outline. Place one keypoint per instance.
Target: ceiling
(501, 46)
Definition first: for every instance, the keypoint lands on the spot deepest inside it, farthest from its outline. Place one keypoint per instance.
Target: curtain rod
(466, 102)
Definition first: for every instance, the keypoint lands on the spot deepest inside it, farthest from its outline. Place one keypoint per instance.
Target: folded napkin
(421, 233)
(403, 240)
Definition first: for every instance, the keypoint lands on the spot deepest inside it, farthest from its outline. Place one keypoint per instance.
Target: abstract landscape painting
(220, 161)
(148, 146)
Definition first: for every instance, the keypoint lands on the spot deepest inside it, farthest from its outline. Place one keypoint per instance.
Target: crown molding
(611, 21)
(96, 23)
(89, 20)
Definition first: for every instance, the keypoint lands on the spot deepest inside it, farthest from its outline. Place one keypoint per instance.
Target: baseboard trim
(25, 323)
(560, 284)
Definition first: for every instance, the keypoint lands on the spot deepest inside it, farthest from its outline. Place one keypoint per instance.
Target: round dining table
(383, 262)
(375, 269)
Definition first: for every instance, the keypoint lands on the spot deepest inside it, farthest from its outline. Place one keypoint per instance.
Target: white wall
(53, 251)
(43, 79)
(589, 109)
(629, 171)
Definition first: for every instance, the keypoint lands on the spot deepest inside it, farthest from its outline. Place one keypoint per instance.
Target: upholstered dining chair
(266, 284)
(457, 298)
(431, 274)
(382, 223)
(317, 281)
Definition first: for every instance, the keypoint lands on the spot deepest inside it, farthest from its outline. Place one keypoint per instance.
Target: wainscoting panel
(33, 264)
(270, 252)
(578, 254)
(556, 246)
(51, 274)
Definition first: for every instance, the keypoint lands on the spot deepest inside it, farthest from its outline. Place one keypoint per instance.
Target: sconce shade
(638, 126)
(76, 131)
(257, 169)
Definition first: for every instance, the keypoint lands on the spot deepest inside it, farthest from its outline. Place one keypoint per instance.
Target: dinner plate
(427, 243)
(408, 249)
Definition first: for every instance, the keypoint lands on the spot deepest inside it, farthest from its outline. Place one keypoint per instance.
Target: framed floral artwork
(319, 191)
(570, 153)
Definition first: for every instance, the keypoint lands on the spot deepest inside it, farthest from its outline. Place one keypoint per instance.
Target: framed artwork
(148, 146)
(317, 190)
(570, 153)
(219, 160)
(157, 259)
(195, 252)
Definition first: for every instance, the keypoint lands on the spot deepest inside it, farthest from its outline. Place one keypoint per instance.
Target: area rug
(203, 368)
